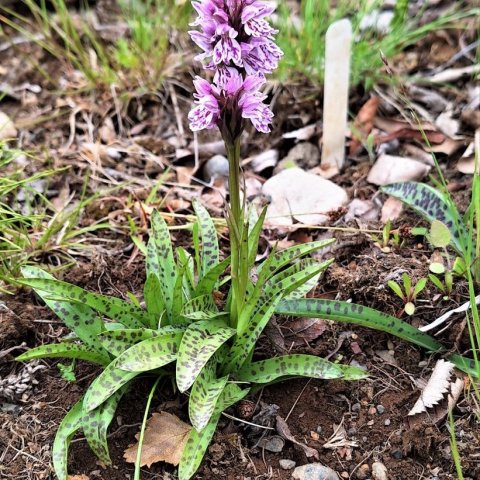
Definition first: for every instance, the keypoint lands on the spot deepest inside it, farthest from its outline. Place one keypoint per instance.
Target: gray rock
(275, 443)
(380, 409)
(305, 155)
(314, 471)
(287, 464)
(379, 471)
(216, 167)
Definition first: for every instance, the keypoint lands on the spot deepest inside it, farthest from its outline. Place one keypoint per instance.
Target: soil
(371, 414)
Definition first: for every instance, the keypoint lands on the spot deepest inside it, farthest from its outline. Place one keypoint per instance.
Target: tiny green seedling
(445, 286)
(409, 292)
(390, 238)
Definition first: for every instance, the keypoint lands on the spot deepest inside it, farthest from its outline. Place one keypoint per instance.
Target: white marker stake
(335, 101)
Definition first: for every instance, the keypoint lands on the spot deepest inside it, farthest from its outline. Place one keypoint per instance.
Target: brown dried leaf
(363, 124)
(305, 329)
(164, 440)
(284, 432)
(78, 477)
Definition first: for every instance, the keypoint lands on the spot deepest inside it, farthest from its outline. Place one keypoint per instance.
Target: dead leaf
(363, 124)
(7, 127)
(262, 161)
(164, 440)
(284, 432)
(466, 164)
(391, 210)
(78, 477)
(433, 136)
(435, 389)
(305, 330)
(304, 133)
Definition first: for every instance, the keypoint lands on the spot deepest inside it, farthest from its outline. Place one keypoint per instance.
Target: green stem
(233, 151)
(142, 431)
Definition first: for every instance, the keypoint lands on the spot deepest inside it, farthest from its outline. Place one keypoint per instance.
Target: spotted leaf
(152, 293)
(273, 369)
(289, 255)
(112, 307)
(358, 315)
(81, 319)
(95, 425)
(204, 395)
(432, 205)
(71, 423)
(254, 235)
(198, 441)
(159, 258)
(64, 350)
(200, 341)
(201, 308)
(117, 341)
(210, 280)
(151, 353)
(210, 251)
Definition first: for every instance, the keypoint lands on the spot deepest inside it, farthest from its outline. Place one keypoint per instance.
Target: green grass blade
(254, 237)
(210, 252)
(204, 395)
(432, 205)
(81, 319)
(112, 307)
(151, 353)
(200, 341)
(71, 423)
(95, 425)
(64, 350)
(358, 315)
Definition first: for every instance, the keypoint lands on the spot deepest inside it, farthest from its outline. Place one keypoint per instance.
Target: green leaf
(159, 258)
(467, 365)
(254, 236)
(201, 308)
(266, 371)
(195, 448)
(184, 258)
(440, 235)
(420, 285)
(432, 205)
(71, 423)
(152, 292)
(105, 385)
(198, 441)
(178, 294)
(437, 267)
(112, 307)
(409, 308)
(64, 350)
(358, 315)
(210, 251)
(117, 341)
(397, 289)
(95, 425)
(291, 254)
(437, 282)
(209, 281)
(407, 284)
(204, 395)
(200, 341)
(152, 353)
(81, 319)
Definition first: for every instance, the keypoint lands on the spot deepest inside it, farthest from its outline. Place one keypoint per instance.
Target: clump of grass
(140, 59)
(303, 38)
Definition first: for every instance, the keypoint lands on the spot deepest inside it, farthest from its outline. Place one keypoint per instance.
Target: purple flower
(237, 43)
(232, 99)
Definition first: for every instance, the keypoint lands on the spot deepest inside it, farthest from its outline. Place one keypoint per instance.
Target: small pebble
(356, 407)
(370, 423)
(352, 432)
(315, 436)
(397, 454)
(273, 444)
(372, 411)
(319, 429)
(387, 422)
(314, 471)
(287, 464)
(363, 472)
(380, 409)
(379, 471)
(216, 167)
(344, 475)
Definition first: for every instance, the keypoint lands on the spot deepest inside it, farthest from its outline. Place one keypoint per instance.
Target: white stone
(314, 471)
(379, 471)
(335, 100)
(296, 194)
(391, 169)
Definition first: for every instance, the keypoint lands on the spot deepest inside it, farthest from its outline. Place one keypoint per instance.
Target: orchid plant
(182, 331)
